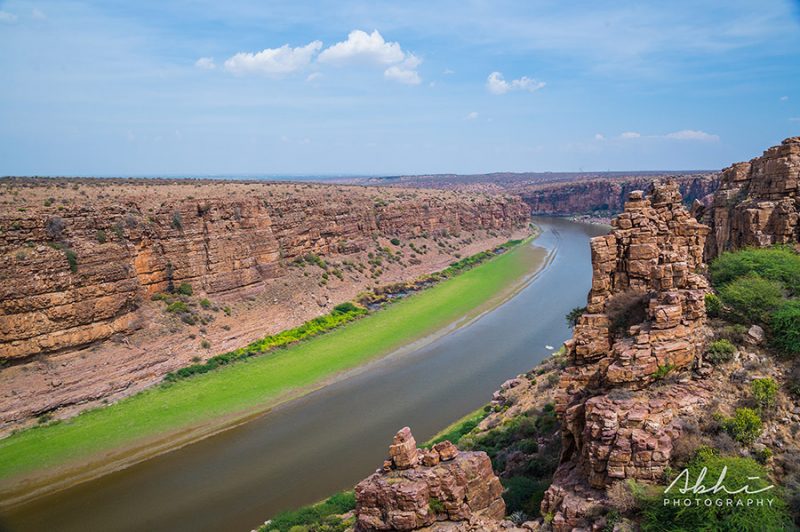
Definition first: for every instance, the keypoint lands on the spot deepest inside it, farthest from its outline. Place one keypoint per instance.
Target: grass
(262, 381)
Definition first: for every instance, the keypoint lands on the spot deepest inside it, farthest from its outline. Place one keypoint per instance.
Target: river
(330, 439)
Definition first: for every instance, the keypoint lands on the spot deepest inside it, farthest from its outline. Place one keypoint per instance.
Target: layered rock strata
(645, 318)
(75, 273)
(418, 488)
(757, 202)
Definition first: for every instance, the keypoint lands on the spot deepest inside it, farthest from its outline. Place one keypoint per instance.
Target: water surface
(332, 438)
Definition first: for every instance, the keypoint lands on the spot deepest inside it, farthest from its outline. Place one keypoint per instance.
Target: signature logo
(699, 488)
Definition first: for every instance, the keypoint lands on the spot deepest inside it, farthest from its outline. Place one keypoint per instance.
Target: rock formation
(607, 196)
(757, 202)
(645, 318)
(417, 488)
(218, 244)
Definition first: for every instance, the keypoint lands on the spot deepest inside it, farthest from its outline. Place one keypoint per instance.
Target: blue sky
(354, 87)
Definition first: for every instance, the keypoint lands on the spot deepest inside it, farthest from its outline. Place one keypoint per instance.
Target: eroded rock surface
(441, 487)
(757, 202)
(645, 319)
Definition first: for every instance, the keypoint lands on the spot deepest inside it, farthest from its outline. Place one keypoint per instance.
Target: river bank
(162, 419)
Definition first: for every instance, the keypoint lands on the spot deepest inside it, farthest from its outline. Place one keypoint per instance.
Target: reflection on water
(332, 438)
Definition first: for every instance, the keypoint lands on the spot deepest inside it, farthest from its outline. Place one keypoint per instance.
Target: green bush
(765, 393)
(713, 305)
(184, 289)
(177, 307)
(523, 494)
(395, 241)
(716, 515)
(785, 325)
(72, 259)
(177, 223)
(574, 315)
(745, 426)
(751, 298)
(320, 516)
(101, 236)
(720, 351)
(779, 264)
(205, 303)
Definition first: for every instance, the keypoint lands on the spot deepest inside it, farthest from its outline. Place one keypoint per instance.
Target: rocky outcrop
(77, 272)
(602, 196)
(429, 489)
(645, 319)
(757, 202)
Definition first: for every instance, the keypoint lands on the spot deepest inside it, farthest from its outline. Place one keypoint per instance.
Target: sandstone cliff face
(416, 489)
(756, 203)
(602, 195)
(645, 317)
(77, 273)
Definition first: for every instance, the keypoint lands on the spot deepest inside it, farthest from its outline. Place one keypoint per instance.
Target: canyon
(85, 262)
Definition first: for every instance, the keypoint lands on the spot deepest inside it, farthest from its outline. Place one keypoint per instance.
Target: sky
(350, 87)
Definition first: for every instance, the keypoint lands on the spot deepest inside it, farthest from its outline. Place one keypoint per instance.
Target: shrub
(177, 307)
(205, 303)
(663, 371)
(779, 264)
(711, 512)
(721, 350)
(322, 516)
(713, 305)
(751, 299)
(574, 315)
(395, 241)
(177, 223)
(436, 505)
(72, 258)
(523, 494)
(745, 425)
(205, 344)
(785, 324)
(54, 227)
(101, 236)
(184, 289)
(765, 392)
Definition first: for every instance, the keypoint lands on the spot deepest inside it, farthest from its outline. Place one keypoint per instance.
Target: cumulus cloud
(630, 135)
(692, 134)
(206, 63)
(273, 61)
(7, 17)
(448, 72)
(403, 75)
(363, 47)
(472, 116)
(497, 85)
(313, 76)
(599, 136)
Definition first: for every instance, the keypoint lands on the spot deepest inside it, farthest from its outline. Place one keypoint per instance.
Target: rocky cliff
(81, 261)
(603, 196)
(73, 274)
(645, 318)
(757, 202)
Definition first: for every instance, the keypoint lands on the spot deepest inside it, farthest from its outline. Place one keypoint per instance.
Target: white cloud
(5, 16)
(599, 136)
(630, 135)
(406, 71)
(471, 116)
(361, 46)
(38, 14)
(396, 73)
(313, 76)
(784, 98)
(448, 72)
(273, 61)
(497, 85)
(206, 63)
(691, 134)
